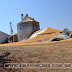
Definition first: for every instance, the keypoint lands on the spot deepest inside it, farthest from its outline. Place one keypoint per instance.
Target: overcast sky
(56, 14)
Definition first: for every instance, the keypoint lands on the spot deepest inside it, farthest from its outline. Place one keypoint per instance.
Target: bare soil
(53, 52)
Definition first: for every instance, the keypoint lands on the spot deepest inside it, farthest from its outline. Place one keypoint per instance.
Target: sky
(56, 14)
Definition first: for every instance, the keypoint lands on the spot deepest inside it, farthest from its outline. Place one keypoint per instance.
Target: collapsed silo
(3, 37)
(26, 27)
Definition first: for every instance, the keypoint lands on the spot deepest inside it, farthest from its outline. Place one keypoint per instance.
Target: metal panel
(25, 29)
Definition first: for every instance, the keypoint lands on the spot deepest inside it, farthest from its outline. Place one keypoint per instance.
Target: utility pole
(11, 28)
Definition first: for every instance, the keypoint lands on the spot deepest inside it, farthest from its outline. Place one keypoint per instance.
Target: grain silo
(26, 27)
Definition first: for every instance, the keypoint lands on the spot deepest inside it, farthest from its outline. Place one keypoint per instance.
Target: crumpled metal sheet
(63, 36)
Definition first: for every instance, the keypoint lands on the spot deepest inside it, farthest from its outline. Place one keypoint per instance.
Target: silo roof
(27, 18)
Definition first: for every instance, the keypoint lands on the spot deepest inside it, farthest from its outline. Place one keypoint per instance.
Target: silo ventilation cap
(26, 15)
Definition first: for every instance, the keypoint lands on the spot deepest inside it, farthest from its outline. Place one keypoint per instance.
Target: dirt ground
(46, 52)
(30, 51)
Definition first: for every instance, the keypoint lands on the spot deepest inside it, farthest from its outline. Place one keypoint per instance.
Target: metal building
(3, 37)
(13, 38)
(26, 27)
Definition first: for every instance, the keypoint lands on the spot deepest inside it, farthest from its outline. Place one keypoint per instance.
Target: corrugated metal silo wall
(36, 26)
(24, 29)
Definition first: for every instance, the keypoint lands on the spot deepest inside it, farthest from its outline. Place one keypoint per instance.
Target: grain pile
(48, 33)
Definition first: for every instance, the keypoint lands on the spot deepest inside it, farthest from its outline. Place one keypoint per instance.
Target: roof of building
(3, 37)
